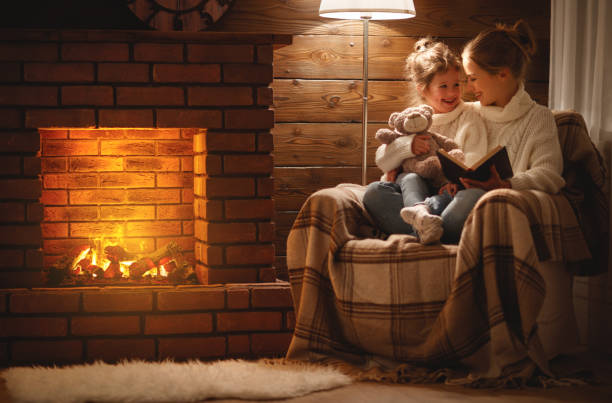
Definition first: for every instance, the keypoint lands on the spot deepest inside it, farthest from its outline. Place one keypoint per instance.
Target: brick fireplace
(157, 137)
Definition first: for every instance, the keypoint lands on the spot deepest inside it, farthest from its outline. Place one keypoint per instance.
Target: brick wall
(60, 83)
(63, 326)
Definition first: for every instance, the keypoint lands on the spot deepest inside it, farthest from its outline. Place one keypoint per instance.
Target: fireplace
(146, 139)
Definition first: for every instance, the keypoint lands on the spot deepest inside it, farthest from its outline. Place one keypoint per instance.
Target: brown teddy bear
(396, 150)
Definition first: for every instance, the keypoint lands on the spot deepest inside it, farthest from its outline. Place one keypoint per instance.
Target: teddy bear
(396, 148)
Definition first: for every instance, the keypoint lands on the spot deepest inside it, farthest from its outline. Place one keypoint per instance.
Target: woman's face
(487, 88)
(443, 93)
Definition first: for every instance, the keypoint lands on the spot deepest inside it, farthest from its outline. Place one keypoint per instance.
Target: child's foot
(427, 226)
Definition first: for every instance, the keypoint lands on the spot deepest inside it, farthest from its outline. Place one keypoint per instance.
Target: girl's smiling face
(443, 93)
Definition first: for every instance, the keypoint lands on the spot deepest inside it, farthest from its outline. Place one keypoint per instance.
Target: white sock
(427, 226)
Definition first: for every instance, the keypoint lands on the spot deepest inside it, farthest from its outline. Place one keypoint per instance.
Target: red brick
(158, 52)
(271, 297)
(123, 72)
(127, 147)
(249, 119)
(60, 118)
(54, 164)
(238, 344)
(265, 232)
(11, 165)
(28, 51)
(98, 95)
(96, 196)
(153, 195)
(125, 301)
(11, 258)
(220, 53)
(70, 181)
(47, 352)
(174, 180)
(32, 166)
(265, 54)
(248, 321)
(125, 118)
(208, 209)
(59, 72)
(33, 327)
(95, 164)
(191, 73)
(222, 96)
(265, 142)
(189, 118)
(12, 211)
(101, 52)
(188, 227)
(10, 72)
(153, 228)
(54, 230)
(225, 187)
(208, 254)
(3, 304)
(188, 323)
(54, 197)
(266, 274)
(13, 119)
(270, 343)
(95, 229)
(229, 232)
(152, 164)
(175, 211)
(187, 195)
(238, 298)
(105, 325)
(290, 320)
(265, 187)
(191, 300)
(250, 208)
(34, 258)
(52, 134)
(265, 96)
(207, 164)
(127, 212)
(114, 350)
(249, 254)
(184, 242)
(211, 275)
(191, 348)
(53, 148)
(124, 179)
(62, 246)
(44, 302)
(21, 188)
(150, 96)
(28, 95)
(20, 141)
(181, 147)
(247, 73)
(248, 164)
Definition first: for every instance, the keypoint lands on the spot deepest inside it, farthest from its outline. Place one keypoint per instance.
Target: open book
(481, 170)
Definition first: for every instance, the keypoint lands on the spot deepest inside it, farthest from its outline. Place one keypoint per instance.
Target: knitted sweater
(529, 132)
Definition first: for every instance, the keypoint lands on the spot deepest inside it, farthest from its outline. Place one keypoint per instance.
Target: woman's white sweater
(464, 125)
(529, 132)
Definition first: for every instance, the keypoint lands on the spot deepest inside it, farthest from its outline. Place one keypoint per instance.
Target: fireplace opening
(118, 206)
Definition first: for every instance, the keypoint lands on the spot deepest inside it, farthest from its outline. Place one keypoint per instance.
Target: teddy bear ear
(427, 109)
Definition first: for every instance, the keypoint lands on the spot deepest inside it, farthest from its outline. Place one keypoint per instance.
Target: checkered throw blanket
(398, 310)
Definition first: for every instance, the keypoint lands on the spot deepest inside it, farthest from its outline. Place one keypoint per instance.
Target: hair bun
(423, 44)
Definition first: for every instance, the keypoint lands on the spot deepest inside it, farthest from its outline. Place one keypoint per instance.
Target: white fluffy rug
(139, 381)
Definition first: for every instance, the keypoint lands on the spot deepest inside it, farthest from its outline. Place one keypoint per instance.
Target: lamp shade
(371, 9)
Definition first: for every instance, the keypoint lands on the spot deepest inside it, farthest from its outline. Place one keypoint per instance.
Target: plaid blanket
(386, 304)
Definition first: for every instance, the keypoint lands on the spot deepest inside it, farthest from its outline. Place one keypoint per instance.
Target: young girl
(495, 63)
(403, 203)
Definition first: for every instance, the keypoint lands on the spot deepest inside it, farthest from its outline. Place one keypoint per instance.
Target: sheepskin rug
(139, 381)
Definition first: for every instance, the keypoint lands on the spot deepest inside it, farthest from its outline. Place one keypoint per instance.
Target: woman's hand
(450, 188)
(420, 144)
(494, 182)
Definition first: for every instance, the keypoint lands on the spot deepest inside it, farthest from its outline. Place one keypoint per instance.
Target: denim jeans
(384, 200)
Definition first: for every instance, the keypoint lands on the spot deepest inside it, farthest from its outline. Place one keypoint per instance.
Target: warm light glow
(373, 10)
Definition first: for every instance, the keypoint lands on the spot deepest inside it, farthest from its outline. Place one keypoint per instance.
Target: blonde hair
(428, 59)
(503, 46)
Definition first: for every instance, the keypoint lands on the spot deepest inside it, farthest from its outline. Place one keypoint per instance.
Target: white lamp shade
(371, 9)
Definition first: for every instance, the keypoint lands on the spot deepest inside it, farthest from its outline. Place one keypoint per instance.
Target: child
(434, 71)
(496, 62)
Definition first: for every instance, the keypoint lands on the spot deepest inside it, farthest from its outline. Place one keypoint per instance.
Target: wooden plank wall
(318, 89)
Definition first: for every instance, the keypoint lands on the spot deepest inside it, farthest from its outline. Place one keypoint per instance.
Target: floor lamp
(366, 10)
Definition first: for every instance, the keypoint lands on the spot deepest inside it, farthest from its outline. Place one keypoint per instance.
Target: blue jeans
(384, 200)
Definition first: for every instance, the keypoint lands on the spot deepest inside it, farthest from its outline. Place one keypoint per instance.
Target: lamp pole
(364, 123)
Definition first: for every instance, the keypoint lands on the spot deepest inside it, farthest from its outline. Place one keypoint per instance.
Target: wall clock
(179, 15)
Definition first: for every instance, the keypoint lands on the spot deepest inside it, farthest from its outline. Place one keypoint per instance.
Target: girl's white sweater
(529, 132)
(464, 125)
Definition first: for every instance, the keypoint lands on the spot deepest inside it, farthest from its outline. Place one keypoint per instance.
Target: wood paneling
(318, 88)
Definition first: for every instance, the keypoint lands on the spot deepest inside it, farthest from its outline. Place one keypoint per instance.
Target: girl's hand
(450, 188)
(391, 176)
(494, 182)
(420, 144)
